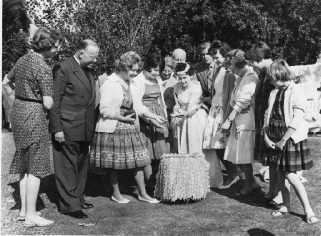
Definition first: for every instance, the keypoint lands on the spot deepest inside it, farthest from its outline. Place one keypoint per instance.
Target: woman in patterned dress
(285, 134)
(155, 130)
(117, 143)
(33, 98)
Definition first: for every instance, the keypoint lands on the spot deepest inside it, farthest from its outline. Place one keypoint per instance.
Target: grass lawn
(221, 213)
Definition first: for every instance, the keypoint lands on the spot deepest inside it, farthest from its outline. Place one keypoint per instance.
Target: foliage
(15, 26)
(292, 28)
(116, 25)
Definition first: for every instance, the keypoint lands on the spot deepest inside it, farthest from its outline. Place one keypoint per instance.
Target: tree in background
(292, 28)
(15, 29)
(117, 26)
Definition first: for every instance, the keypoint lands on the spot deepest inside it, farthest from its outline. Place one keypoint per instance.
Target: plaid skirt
(123, 149)
(293, 157)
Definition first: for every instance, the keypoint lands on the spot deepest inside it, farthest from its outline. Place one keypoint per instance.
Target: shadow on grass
(47, 186)
(258, 231)
(249, 200)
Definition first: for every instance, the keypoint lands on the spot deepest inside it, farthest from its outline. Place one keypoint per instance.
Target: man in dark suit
(72, 126)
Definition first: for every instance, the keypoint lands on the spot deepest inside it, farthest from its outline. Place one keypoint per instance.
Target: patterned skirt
(123, 149)
(293, 157)
(32, 139)
(156, 140)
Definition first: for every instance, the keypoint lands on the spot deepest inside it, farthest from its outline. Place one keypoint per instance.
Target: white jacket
(294, 111)
(139, 84)
(110, 102)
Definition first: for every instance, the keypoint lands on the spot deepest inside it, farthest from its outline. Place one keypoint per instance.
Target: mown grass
(221, 213)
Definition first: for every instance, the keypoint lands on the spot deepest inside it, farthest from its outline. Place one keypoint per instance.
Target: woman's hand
(158, 122)
(268, 142)
(280, 145)
(226, 125)
(159, 119)
(128, 118)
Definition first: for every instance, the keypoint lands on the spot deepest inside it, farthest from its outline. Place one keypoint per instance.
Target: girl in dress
(149, 93)
(285, 134)
(117, 143)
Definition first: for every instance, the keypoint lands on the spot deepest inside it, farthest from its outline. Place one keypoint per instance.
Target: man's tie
(209, 74)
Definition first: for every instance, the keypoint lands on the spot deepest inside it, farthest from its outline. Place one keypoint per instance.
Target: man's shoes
(228, 185)
(77, 214)
(87, 206)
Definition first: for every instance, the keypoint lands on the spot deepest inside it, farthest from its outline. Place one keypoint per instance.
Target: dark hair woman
(155, 130)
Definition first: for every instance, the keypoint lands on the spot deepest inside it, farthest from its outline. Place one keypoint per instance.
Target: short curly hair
(223, 47)
(127, 61)
(279, 70)
(238, 56)
(181, 66)
(258, 52)
(167, 61)
(45, 39)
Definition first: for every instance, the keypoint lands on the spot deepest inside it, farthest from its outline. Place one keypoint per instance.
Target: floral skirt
(123, 149)
(32, 139)
(293, 157)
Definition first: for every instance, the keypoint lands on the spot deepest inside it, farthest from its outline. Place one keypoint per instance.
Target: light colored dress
(192, 129)
(240, 146)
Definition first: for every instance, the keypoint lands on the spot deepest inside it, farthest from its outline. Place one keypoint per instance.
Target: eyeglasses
(91, 57)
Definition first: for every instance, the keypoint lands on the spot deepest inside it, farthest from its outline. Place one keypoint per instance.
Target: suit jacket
(201, 76)
(73, 111)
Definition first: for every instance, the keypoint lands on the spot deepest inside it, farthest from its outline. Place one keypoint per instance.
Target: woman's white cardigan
(110, 102)
(294, 111)
(139, 83)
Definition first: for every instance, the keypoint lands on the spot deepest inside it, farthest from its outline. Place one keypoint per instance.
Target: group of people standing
(150, 108)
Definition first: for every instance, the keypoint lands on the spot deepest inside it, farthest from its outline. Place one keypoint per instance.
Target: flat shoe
(310, 221)
(23, 218)
(277, 213)
(39, 222)
(125, 201)
(154, 201)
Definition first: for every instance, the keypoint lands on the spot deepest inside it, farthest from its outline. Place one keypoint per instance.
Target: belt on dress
(28, 99)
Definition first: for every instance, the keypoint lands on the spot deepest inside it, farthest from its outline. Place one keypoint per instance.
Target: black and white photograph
(161, 117)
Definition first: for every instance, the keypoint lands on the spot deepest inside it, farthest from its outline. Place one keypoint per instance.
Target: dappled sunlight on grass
(220, 213)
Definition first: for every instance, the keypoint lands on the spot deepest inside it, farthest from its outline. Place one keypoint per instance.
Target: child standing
(285, 133)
